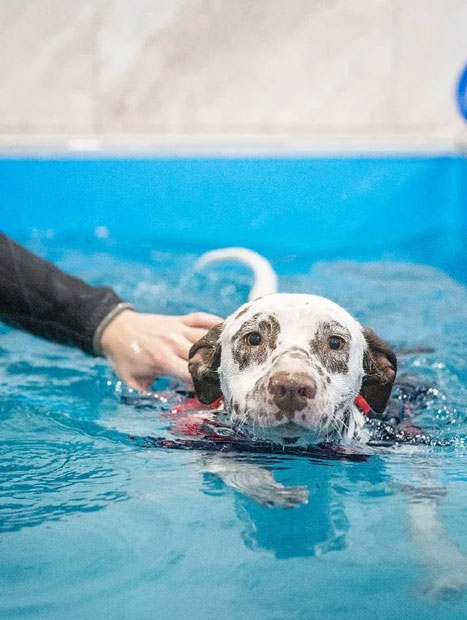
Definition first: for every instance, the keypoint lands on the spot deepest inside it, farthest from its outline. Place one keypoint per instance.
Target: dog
(290, 368)
(299, 369)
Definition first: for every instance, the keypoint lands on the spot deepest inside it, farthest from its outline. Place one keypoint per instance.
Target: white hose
(265, 282)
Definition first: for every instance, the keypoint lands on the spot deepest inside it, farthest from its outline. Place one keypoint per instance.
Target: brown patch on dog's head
(242, 312)
(380, 367)
(244, 354)
(335, 362)
(203, 361)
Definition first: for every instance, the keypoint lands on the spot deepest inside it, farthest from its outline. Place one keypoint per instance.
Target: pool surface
(97, 522)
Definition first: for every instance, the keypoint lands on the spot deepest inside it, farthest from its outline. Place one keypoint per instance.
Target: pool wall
(283, 204)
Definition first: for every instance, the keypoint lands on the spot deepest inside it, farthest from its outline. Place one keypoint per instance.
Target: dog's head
(291, 366)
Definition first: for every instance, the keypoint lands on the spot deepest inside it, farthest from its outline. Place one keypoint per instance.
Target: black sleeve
(38, 297)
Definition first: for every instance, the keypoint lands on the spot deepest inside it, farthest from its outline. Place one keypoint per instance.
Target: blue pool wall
(276, 204)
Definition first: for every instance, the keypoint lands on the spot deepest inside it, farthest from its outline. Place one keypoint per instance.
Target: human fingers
(139, 383)
(179, 345)
(201, 319)
(178, 368)
(170, 364)
(193, 334)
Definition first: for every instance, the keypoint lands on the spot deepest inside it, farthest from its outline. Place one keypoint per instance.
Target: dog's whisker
(242, 421)
(334, 425)
(339, 426)
(344, 426)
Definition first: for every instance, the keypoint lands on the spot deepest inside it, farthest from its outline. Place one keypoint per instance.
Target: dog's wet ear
(379, 367)
(203, 361)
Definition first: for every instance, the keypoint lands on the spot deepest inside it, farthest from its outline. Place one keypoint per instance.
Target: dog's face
(290, 366)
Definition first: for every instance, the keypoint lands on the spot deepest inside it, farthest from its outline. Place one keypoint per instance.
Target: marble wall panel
(257, 66)
(254, 70)
(47, 66)
(430, 41)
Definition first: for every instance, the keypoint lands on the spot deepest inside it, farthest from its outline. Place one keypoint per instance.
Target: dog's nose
(291, 391)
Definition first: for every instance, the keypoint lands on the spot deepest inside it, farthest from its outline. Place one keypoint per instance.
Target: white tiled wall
(308, 72)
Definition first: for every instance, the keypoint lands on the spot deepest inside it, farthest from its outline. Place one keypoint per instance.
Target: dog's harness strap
(383, 430)
(217, 403)
(361, 403)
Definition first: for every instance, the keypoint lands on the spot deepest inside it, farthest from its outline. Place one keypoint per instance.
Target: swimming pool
(97, 523)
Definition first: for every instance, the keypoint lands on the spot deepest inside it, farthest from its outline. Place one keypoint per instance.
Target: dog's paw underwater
(257, 483)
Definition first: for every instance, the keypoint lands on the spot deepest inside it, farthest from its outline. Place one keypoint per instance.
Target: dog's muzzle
(291, 391)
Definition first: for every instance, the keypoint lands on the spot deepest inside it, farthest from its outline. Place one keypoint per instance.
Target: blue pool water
(96, 523)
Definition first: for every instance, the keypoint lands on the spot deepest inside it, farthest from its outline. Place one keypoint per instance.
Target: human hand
(142, 347)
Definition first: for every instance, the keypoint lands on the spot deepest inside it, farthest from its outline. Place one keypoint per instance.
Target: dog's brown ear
(379, 367)
(203, 361)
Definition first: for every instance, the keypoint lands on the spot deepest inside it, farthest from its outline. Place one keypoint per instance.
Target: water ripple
(46, 480)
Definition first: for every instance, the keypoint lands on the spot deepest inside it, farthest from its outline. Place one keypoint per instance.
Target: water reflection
(312, 529)
(397, 497)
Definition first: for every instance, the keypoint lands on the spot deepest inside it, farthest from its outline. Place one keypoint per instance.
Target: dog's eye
(336, 343)
(254, 338)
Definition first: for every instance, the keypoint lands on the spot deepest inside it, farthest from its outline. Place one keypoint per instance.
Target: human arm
(37, 296)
